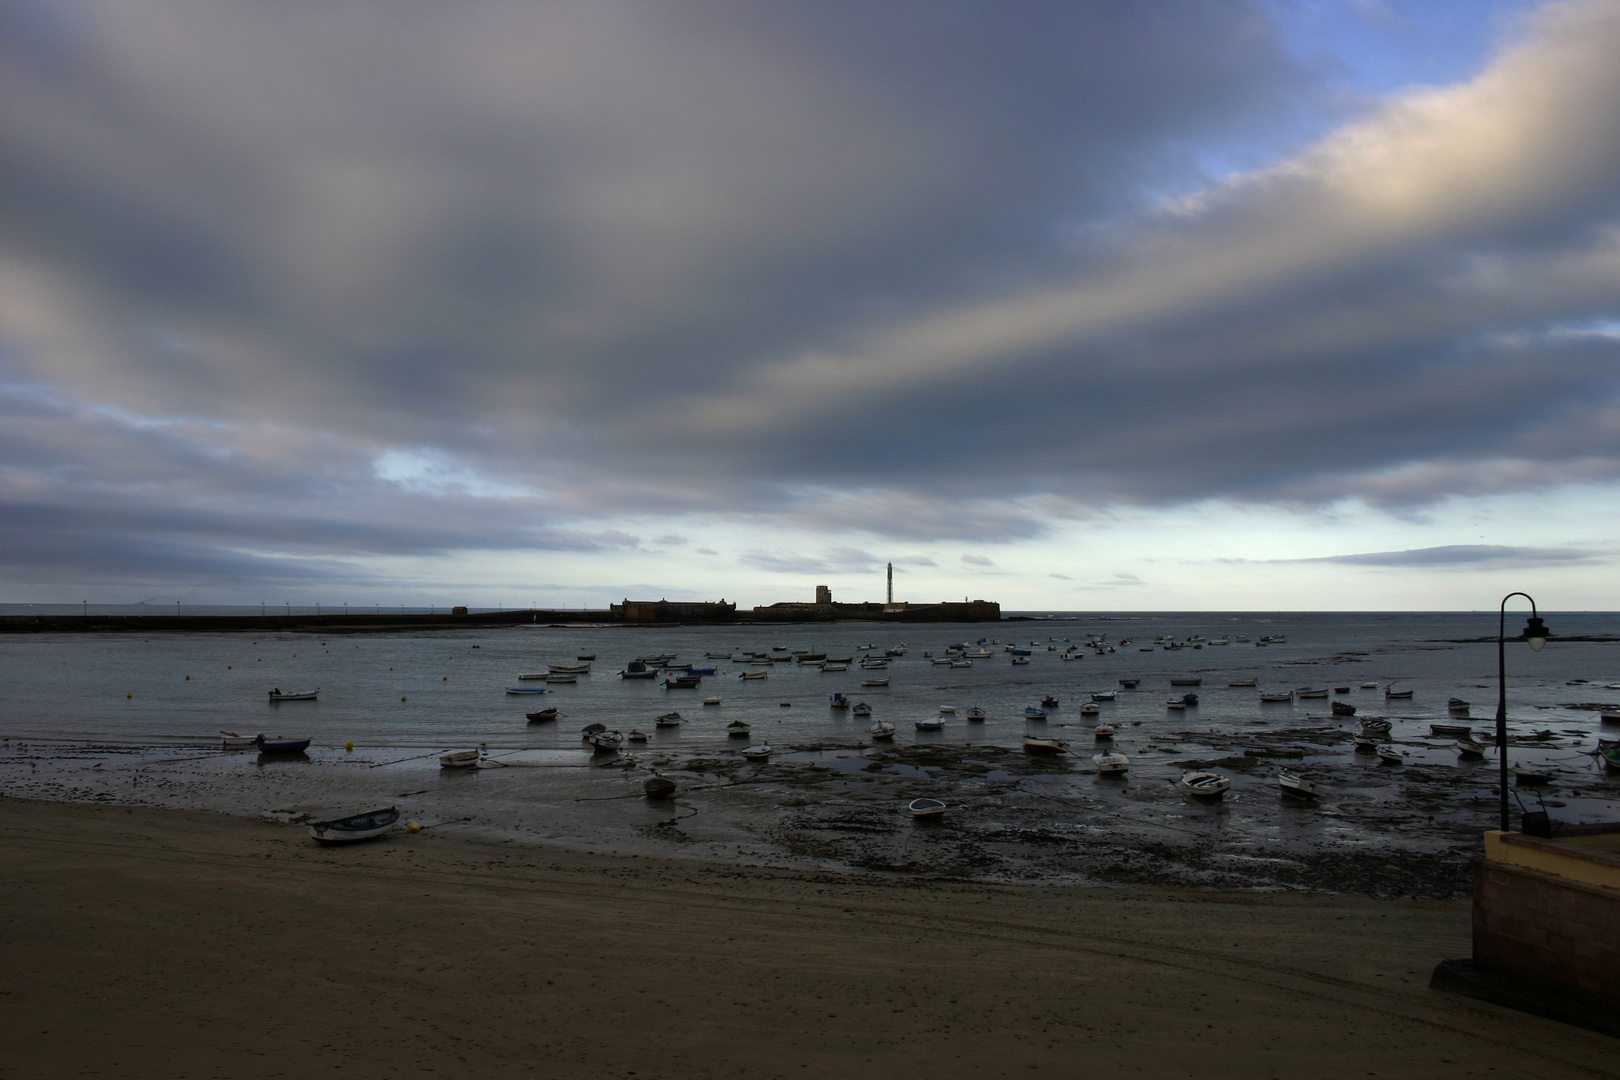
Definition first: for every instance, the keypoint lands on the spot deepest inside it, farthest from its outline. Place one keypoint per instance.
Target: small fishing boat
(683, 682)
(1015, 660)
(1375, 725)
(542, 715)
(1204, 785)
(1175, 704)
(876, 682)
(717, 656)
(838, 701)
(1105, 695)
(753, 675)
(644, 673)
(1457, 704)
(1111, 764)
(1040, 745)
(1365, 743)
(1033, 713)
(1470, 748)
(1341, 689)
(1608, 717)
(1187, 681)
(1391, 692)
(711, 701)
(669, 719)
(926, 808)
(636, 736)
(1308, 692)
(1342, 708)
(870, 664)
(1130, 684)
(559, 677)
(947, 710)
(738, 728)
(658, 787)
(692, 670)
(280, 745)
(757, 753)
(1369, 686)
(568, 669)
(1103, 732)
(1525, 776)
(532, 674)
(881, 729)
(976, 715)
(587, 656)
(232, 741)
(460, 759)
(831, 668)
(1450, 729)
(299, 695)
(1049, 702)
(591, 729)
(933, 723)
(1090, 708)
(1276, 696)
(1296, 786)
(605, 742)
(525, 690)
(1609, 755)
(961, 663)
(356, 827)
(861, 709)
(1391, 755)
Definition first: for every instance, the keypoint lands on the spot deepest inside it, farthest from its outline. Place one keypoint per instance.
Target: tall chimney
(891, 584)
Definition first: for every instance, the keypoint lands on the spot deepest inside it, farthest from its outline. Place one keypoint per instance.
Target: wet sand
(142, 943)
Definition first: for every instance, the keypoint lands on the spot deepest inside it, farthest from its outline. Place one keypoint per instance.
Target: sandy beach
(167, 943)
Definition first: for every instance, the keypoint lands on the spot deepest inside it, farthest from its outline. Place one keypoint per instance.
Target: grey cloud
(833, 560)
(670, 540)
(977, 560)
(705, 551)
(1465, 555)
(914, 560)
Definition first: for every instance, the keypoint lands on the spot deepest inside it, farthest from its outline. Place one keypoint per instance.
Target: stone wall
(1548, 930)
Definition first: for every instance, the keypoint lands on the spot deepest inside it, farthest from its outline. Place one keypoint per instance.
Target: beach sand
(160, 943)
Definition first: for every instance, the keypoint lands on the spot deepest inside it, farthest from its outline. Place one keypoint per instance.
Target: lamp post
(1536, 634)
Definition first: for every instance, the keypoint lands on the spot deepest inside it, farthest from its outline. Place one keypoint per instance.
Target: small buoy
(415, 827)
(188, 678)
(348, 747)
(128, 696)
(402, 697)
(447, 678)
(227, 667)
(390, 669)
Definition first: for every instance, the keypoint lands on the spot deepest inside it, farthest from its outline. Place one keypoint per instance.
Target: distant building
(678, 611)
(823, 594)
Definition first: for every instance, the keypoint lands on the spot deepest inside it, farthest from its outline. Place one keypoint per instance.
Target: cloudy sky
(1239, 304)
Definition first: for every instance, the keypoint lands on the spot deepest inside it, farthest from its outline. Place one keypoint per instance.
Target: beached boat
(605, 742)
(1375, 725)
(1391, 692)
(881, 729)
(1187, 681)
(1044, 746)
(1296, 786)
(540, 716)
(281, 745)
(355, 827)
(232, 741)
(1365, 743)
(757, 753)
(1308, 692)
(658, 787)
(1342, 708)
(1608, 717)
(926, 808)
(1450, 729)
(460, 759)
(669, 719)
(525, 690)
(568, 669)
(1204, 785)
(591, 729)
(1033, 713)
(1391, 755)
(1457, 704)
(738, 728)
(1526, 776)
(1609, 755)
(636, 736)
(1276, 696)
(297, 695)
(1470, 747)
(876, 682)
(861, 709)
(1110, 764)
(933, 723)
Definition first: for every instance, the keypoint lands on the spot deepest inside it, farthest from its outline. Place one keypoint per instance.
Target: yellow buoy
(402, 697)
(227, 667)
(348, 747)
(446, 678)
(128, 696)
(415, 827)
(188, 678)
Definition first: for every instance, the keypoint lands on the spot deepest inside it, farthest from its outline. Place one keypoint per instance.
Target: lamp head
(1536, 633)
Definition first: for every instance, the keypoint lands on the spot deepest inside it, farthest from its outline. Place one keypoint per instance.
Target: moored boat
(658, 787)
(1342, 708)
(554, 677)
(568, 669)
(1110, 764)
(1276, 696)
(1130, 684)
(1375, 725)
(876, 682)
(738, 729)
(1041, 745)
(1469, 747)
(881, 729)
(931, 724)
(1090, 708)
(281, 745)
(838, 701)
(669, 719)
(1457, 704)
(926, 808)
(1391, 755)
(1450, 729)
(605, 742)
(1391, 692)
(540, 716)
(757, 753)
(1032, 713)
(683, 682)
(1310, 692)
(753, 675)
(296, 695)
(460, 759)
(861, 709)
(636, 736)
(1296, 786)
(1103, 732)
(1204, 785)
(1187, 681)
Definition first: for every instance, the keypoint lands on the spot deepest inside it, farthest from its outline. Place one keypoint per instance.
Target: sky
(1225, 305)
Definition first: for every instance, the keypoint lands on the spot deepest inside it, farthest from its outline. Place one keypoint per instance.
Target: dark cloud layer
(283, 287)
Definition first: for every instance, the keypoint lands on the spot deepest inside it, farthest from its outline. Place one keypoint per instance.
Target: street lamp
(1536, 634)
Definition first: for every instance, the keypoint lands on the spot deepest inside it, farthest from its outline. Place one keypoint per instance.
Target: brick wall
(1548, 930)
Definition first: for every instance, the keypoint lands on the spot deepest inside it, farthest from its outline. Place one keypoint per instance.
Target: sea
(138, 719)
